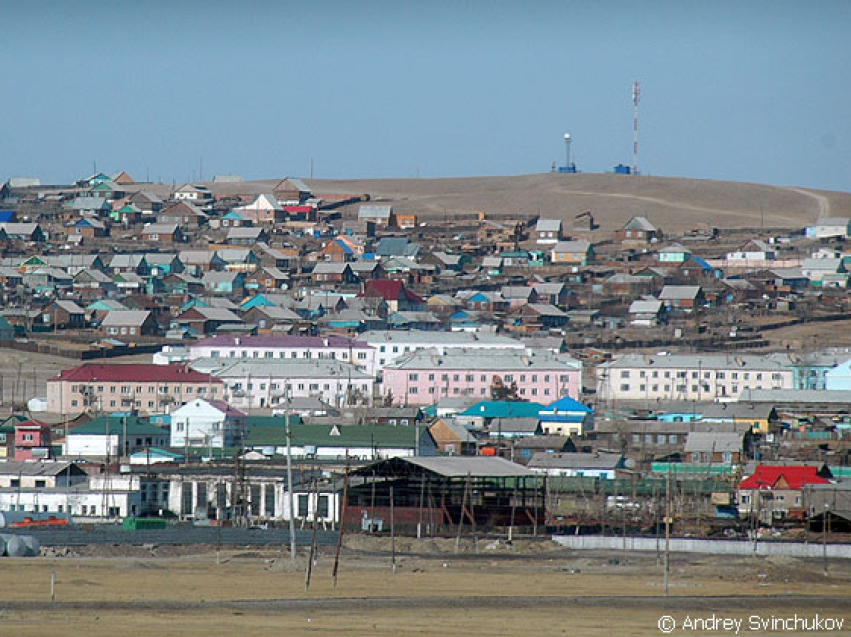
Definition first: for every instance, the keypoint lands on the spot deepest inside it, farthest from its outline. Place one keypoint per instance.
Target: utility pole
(290, 472)
(667, 528)
(824, 536)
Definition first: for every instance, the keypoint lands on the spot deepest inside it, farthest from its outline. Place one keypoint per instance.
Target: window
(624, 387)
(322, 509)
(624, 374)
(413, 377)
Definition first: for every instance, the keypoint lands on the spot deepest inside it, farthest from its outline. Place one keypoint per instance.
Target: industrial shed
(438, 493)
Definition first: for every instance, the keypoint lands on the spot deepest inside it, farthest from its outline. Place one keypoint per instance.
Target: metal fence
(178, 534)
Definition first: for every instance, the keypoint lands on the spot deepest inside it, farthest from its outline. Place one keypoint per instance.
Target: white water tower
(567, 151)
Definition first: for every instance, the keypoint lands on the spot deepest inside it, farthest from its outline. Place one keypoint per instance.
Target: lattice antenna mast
(636, 95)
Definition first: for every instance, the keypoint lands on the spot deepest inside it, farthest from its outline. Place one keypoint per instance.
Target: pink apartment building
(425, 376)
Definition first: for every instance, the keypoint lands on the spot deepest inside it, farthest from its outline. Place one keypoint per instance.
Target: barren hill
(671, 203)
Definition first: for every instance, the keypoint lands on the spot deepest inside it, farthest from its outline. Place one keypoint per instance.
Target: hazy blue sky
(754, 91)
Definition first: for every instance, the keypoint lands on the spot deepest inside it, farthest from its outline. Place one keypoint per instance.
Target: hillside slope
(671, 203)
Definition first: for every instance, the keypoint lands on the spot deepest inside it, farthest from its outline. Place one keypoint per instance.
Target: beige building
(109, 387)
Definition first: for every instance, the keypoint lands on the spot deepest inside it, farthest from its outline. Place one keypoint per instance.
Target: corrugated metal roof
(474, 466)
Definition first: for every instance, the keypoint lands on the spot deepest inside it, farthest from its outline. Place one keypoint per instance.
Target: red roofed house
(110, 387)
(32, 440)
(399, 298)
(775, 492)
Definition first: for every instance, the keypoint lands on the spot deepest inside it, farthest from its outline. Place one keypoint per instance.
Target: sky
(752, 91)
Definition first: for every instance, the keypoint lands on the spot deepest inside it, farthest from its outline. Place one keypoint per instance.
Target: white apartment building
(279, 348)
(700, 377)
(391, 345)
(265, 383)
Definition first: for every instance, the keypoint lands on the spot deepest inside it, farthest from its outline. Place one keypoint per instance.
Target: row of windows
(217, 426)
(684, 388)
(127, 389)
(625, 373)
(470, 391)
(84, 509)
(470, 378)
(282, 354)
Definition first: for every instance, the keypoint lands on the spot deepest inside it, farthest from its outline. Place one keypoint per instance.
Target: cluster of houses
(379, 335)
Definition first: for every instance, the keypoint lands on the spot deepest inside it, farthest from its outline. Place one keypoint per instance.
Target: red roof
(226, 409)
(768, 477)
(390, 290)
(135, 373)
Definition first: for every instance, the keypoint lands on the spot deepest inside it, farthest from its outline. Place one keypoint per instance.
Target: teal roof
(378, 436)
(113, 424)
(691, 468)
(503, 409)
(156, 451)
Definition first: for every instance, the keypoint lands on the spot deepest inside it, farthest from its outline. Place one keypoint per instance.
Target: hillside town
(480, 370)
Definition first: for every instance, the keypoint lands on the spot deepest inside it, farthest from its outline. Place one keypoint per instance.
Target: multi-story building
(691, 376)
(110, 387)
(290, 348)
(424, 376)
(391, 345)
(265, 383)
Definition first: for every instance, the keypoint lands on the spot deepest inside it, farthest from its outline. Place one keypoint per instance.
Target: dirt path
(823, 202)
(702, 209)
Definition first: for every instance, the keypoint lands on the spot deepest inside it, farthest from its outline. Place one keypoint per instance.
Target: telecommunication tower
(636, 94)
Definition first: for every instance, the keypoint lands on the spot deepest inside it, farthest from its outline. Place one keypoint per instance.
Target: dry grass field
(672, 203)
(543, 592)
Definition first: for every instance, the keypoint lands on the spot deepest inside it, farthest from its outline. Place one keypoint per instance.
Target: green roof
(334, 435)
(270, 421)
(692, 468)
(113, 424)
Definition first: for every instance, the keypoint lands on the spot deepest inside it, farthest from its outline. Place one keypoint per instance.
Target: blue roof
(258, 300)
(503, 409)
(702, 263)
(342, 244)
(561, 418)
(6, 215)
(567, 404)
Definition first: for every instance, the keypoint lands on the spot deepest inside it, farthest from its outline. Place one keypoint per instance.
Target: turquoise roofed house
(483, 413)
(566, 417)
(155, 455)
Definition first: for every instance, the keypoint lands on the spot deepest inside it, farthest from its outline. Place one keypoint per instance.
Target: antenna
(636, 95)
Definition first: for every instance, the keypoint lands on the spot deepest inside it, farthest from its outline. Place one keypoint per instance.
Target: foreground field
(542, 591)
